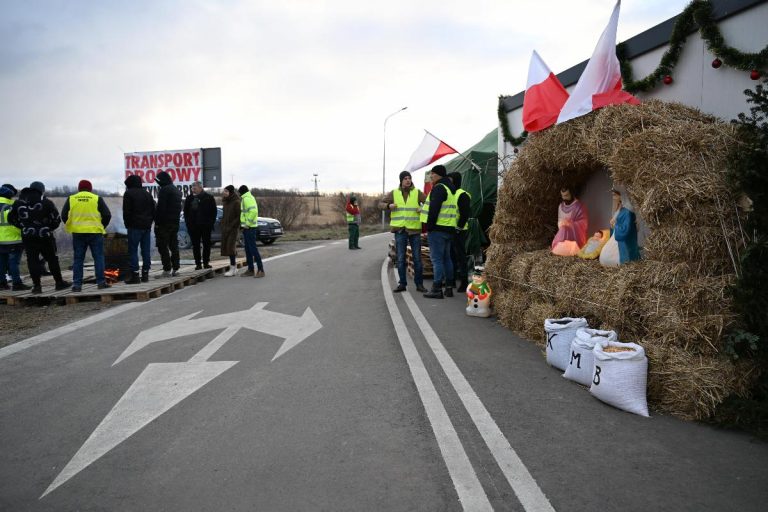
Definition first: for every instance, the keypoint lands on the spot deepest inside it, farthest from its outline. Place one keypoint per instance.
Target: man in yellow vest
(11, 244)
(249, 223)
(86, 216)
(404, 205)
(458, 252)
(439, 214)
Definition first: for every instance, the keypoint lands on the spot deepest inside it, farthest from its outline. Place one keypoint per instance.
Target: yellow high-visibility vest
(447, 215)
(460, 191)
(406, 215)
(84, 216)
(9, 234)
(249, 211)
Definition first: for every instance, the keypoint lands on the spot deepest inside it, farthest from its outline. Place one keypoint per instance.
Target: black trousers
(201, 234)
(45, 247)
(166, 239)
(459, 256)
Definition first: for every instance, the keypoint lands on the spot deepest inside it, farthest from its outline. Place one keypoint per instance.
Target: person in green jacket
(249, 223)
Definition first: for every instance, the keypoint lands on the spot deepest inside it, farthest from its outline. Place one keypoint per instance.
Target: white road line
(527, 490)
(471, 493)
(273, 258)
(55, 333)
(41, 338)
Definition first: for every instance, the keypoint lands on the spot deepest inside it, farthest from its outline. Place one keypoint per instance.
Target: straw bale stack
(674, 302)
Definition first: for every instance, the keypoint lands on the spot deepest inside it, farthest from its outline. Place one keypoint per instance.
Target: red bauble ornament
(667, 80)
(717, 63)
(754, 75)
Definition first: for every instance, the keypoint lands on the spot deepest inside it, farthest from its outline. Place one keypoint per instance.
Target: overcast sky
(286, 89)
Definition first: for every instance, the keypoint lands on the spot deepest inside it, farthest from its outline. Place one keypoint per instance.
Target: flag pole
(462, 155)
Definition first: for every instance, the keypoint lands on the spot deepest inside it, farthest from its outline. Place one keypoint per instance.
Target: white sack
(560, 333)
(620, 378)
(581, 365)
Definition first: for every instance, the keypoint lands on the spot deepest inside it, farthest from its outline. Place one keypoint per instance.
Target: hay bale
(691, 386)
(510, 306)
(705, 247)
(533, 321)
(613, 125)
(672, 171)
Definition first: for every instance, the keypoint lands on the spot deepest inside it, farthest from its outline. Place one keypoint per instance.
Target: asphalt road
(334, 395)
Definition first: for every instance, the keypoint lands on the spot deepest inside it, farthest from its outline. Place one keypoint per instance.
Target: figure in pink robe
(572, 223)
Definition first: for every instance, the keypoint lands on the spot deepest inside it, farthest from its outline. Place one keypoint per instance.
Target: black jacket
(34, 214)
(168, 209)
(138, 205)
(106, 215)
(200, 210)
(436, 198)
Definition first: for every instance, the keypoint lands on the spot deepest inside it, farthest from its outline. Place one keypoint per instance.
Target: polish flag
(544, 96)
(600, 83)
(430, 150)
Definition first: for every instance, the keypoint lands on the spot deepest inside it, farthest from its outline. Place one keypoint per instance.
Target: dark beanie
(84, 185)
(403, 175)
(243, 189)
(37, 185)
(439, 170)
(231, 188)
(11, 188)
(455, 179)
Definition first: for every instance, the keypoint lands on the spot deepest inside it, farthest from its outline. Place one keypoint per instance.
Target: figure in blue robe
(625, 233)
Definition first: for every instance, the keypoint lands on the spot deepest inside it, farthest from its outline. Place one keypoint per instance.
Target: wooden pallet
(119, 291)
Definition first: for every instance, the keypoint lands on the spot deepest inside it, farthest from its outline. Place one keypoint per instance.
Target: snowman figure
(479, 295)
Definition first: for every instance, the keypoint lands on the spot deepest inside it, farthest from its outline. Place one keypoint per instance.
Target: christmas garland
(505, 131)
(697, 13)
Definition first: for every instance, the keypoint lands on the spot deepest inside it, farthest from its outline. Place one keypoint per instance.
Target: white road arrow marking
(163, 385)
(294, 330)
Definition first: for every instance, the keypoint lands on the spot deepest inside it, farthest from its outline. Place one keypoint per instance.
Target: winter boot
(133, 278)
(448, 291)
(434, 293)
(63, 285)
(145, 276)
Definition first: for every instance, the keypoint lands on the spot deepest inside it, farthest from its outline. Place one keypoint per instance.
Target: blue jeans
(402, 239)
(251, 251)
(80, 242)
(136, 238)
(440, 254)
(9, 264)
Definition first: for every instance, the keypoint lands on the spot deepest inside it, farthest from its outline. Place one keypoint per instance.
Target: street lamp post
(384, 163)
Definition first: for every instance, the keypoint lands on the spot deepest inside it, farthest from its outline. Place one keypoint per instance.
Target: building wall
(696, 83)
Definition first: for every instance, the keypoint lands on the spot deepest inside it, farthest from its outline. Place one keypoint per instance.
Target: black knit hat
(439, 170)
(403, 175)
(37, 185)
(11, 188)
(243, 189)
(231, 188)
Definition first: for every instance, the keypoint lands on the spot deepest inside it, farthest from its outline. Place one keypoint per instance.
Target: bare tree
(289, 210)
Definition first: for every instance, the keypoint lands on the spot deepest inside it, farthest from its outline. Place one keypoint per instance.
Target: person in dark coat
(38, 218)
(167, 215)
(138, 215)
(230, 227)
(200, 215)
(458, 251)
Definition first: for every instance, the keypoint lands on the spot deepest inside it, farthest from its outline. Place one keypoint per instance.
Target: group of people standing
(444, 213)
(29, 224)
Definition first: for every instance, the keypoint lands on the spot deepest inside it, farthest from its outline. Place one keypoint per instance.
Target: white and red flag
(544, 96)
(600, 83)
(430, 150)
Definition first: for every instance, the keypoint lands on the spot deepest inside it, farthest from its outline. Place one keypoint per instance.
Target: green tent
(482, 185)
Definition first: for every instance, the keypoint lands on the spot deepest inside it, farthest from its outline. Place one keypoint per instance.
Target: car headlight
(262, 223)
